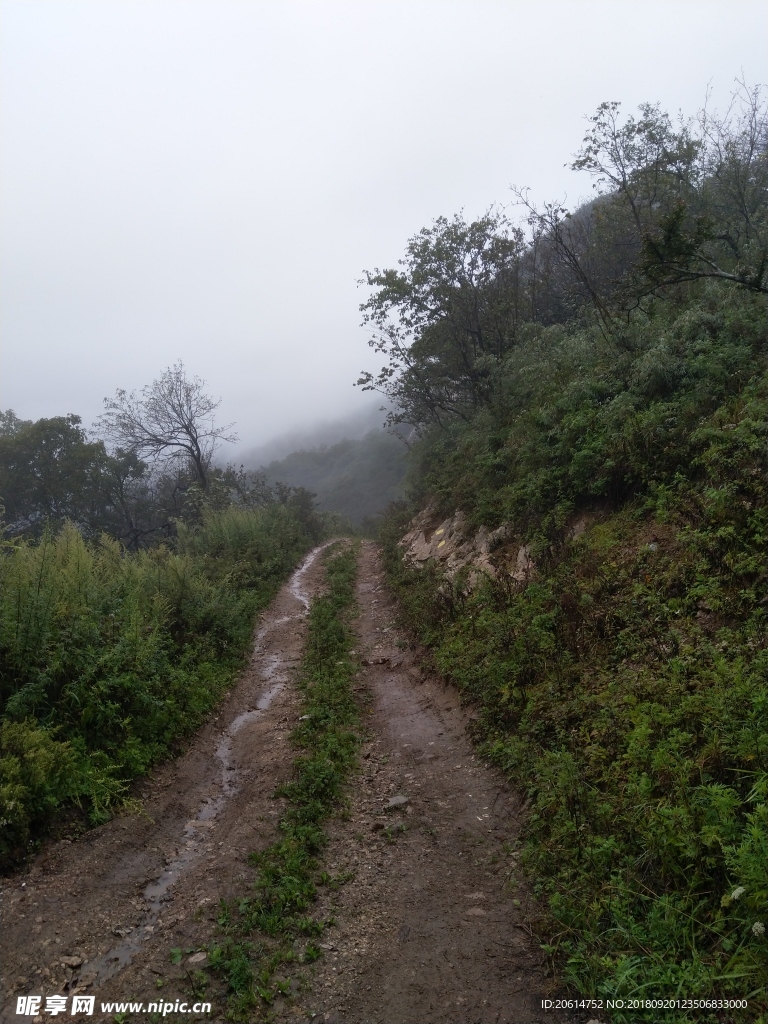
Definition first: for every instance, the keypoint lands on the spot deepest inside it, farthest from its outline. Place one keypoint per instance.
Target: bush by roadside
(108, 658)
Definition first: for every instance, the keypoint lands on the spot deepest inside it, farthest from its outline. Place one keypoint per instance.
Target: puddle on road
(295, 583)
(273, 669)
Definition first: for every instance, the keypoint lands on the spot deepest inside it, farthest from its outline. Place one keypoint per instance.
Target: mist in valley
(322, 433)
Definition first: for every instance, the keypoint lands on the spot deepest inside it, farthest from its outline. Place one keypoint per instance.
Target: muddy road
(430, 925)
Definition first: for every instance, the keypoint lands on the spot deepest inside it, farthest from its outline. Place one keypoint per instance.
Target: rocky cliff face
(456, 546)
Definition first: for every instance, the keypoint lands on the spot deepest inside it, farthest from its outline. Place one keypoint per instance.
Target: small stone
(396, 802)
(71, 961)
(197, 958)
(475, 912)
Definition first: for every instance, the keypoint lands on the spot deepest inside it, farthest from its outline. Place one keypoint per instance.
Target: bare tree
(172, 419)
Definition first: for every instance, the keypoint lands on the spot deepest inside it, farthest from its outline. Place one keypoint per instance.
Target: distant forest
(356, 478)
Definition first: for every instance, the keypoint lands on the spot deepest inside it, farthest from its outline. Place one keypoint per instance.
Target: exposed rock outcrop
(454, 544)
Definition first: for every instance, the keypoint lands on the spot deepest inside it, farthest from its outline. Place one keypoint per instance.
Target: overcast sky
(208, 180)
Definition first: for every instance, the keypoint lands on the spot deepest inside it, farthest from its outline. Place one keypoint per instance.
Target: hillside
(584, 551)
(356, 478)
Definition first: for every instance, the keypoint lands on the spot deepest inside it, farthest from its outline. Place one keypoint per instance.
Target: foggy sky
(208, 180)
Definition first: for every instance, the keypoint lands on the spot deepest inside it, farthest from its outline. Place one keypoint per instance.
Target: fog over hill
(351, 427)
(358, 478)
(352, 464)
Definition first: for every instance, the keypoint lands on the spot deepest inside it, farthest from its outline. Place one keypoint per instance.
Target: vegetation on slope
(624, 684)
(129, 580)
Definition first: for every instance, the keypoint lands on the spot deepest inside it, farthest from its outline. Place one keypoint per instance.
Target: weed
(393, 831)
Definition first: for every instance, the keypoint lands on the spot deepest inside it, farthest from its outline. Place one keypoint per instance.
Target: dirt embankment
(431, 923)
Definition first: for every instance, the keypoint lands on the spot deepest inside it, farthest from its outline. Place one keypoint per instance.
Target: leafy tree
(697, 196)
(172, 420)
(719, 229)
(49, 470)
(446, 318)
(10, 423)
(675, 204)
(141, 503)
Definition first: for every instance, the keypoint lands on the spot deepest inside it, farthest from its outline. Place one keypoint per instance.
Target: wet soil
(432, 920)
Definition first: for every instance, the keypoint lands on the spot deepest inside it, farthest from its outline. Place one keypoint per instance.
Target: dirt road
(431, 924)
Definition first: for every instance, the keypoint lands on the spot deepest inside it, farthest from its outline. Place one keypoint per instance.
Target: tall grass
(108, 659)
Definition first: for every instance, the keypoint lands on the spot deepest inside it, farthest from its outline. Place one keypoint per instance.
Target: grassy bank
(624, 686)
(270, 933)
(108, 659)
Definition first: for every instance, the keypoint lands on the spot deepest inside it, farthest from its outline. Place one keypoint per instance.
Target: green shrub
(111, 658)
(37, 775)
